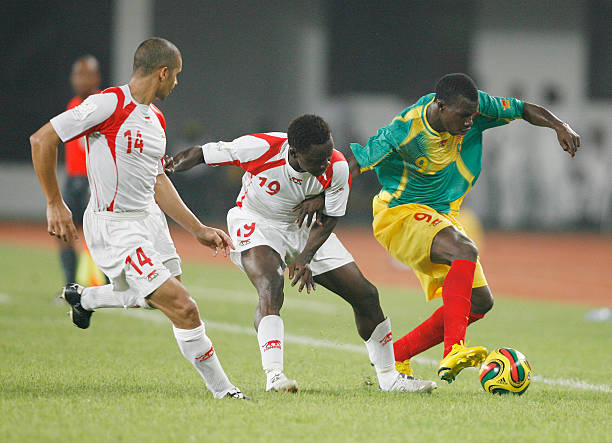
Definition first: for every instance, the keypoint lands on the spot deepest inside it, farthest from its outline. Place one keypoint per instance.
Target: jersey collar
(431, 130)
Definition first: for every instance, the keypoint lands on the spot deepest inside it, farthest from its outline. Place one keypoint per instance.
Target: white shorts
(248, 230)
(134, 250)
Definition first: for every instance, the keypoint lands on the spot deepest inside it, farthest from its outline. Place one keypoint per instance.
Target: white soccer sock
(270, 335)
(380, 350)
(96, 297)
(198, 350)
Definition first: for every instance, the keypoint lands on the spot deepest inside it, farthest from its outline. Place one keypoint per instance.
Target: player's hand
(310, 210)
(59, 222)
(169, 164)
(299, 270)
(216, 239)
(568, 139)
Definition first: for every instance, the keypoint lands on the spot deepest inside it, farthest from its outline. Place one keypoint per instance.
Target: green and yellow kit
(424, 176)
(417, 164)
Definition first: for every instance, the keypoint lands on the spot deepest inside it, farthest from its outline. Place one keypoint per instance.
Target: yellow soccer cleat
(404, 367)
(459, 358)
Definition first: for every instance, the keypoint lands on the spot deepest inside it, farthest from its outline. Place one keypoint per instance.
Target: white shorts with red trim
(133, 249)
(248, 230)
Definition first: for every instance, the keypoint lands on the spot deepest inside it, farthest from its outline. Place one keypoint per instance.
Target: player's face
(316, 159)
(169, 81)
(458, 117)
(85, 78)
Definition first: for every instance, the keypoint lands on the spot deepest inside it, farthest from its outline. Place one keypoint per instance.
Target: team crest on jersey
(442, 142)
(296, 180)
(506, 104)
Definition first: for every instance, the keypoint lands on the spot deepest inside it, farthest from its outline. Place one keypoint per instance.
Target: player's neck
(433, 117)
(293, 162)
(143, 89)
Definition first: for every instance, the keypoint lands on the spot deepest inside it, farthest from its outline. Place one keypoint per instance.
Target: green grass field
(124, 379)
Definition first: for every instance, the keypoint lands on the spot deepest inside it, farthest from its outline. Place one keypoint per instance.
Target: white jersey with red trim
(126, 142)
(271, 188)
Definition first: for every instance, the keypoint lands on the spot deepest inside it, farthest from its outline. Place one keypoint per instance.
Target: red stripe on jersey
(259, 164)
(160, 116)
(110, 127)
(256, 166)
(326, 178)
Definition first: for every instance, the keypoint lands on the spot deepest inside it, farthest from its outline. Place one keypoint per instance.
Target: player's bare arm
(184, 160)
(540, 116)
(300, 269)
(171, 203)
(44, 157)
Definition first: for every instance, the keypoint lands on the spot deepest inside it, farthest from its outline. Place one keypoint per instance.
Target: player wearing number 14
(125, 230)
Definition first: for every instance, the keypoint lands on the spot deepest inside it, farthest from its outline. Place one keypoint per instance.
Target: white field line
(309, 341)
(250, 298)
(4, 298)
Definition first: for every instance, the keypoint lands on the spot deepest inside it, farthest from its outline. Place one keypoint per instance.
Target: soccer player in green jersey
(427, 159)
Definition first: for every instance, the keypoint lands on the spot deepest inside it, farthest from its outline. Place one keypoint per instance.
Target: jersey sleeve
(375, 150)
(336, 195)
(243, 151)
(497, 111)
(81, 119)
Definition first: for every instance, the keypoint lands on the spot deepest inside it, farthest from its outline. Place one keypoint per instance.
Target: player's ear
(163, 73)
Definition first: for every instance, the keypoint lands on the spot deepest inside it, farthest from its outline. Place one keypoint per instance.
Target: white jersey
(271, 188)
(126, 142)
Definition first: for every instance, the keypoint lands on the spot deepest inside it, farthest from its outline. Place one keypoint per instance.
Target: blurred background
(252, 66)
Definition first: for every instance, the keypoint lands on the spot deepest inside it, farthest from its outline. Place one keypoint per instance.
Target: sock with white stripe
(380, 350)
(199, 351)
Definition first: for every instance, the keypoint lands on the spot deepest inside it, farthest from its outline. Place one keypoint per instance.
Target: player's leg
(348, 282)
(173, 299)
(453, 248)
(431, 332)
(264, 267)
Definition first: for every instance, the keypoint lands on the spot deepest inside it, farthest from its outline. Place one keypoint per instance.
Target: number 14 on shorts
(142, 260)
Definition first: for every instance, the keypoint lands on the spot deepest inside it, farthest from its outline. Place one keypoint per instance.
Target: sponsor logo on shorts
(386, 339)
(152, 275)
(206, 356)
(296, 180)
(244, 242)
(272, 344)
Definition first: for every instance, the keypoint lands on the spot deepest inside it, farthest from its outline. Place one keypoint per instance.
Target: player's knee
(465, 250)
(367, 300)
(185, 306)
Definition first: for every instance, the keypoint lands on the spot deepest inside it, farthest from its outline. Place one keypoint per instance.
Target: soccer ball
(504, 371)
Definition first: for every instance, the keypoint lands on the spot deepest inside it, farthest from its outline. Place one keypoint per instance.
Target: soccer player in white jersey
(281, 171)
(124, 227)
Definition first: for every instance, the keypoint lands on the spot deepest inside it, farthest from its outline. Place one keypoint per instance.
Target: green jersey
(417, 164)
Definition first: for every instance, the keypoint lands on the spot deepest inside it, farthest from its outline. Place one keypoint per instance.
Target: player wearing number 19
(124, 227)
(281, 170)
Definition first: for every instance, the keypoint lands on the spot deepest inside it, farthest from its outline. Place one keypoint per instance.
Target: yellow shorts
(407, 232)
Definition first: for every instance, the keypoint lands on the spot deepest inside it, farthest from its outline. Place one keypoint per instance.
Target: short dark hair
(155, 53)
(452, 86)
(307, 130)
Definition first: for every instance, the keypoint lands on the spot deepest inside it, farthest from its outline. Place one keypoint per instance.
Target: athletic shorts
(134, 250)
(248, 230)
(407, 232)
(76, 196)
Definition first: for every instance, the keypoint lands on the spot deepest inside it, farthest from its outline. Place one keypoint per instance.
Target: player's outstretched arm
(184, 160)
(171, 203)
(540, 116)
(44, 157)
(300, 269)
